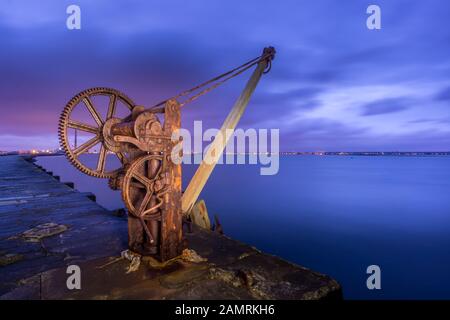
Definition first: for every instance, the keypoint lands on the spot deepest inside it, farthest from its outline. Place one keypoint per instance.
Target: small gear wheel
(144, 185)
(99, 130)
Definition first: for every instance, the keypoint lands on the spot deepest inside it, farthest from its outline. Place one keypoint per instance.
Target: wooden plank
(205, 169)
(171, 220)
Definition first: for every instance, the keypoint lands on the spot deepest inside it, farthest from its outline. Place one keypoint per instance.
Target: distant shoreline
(285, 153)
(377, 154)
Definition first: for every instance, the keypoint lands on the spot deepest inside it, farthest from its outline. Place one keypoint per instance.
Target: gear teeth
(130, 170)
(63, 125)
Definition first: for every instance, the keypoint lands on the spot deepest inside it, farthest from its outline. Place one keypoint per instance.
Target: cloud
(431, 120)
(444, 95)
(385, 106)
(303, 92)
(153, 50)
(320, 134)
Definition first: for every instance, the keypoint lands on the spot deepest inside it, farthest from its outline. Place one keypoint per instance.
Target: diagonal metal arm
(205, 169)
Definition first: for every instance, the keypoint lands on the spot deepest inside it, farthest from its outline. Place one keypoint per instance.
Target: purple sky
(334, 85)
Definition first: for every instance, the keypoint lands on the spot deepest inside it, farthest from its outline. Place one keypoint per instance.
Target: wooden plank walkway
(76, 230)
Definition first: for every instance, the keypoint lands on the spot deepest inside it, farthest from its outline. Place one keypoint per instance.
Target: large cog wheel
(65, 122)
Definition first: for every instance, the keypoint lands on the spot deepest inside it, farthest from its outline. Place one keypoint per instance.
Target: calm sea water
(336, 215)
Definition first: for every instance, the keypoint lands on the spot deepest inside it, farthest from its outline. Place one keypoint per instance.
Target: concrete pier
(46, 225)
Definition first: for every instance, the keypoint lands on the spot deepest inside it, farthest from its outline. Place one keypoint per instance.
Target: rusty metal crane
(150, 182)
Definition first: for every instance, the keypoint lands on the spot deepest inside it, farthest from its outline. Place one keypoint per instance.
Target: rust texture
(149, 180)
(148, 177)
(171, 237)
